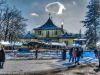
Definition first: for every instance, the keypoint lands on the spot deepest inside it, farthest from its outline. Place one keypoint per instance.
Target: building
(28, 38)
(67, 38)
(48, 31)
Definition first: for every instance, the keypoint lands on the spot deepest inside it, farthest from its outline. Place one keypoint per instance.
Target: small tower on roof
(50, 16)
(62, 23)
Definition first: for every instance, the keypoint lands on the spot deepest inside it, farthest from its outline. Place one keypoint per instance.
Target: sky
(70, 12)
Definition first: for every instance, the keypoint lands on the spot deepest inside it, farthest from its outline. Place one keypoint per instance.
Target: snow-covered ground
(21, 66)
(86, 55)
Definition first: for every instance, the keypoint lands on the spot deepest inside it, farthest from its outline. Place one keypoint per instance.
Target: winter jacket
(2, 55)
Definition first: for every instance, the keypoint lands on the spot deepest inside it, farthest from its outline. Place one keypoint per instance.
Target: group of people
(75, 54)
(2, 56)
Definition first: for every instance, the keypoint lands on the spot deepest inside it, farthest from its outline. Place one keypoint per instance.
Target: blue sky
(74, 13)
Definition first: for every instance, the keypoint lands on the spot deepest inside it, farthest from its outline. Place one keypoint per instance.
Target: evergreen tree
(92, 23)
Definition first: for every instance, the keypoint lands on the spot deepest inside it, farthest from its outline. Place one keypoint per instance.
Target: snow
(6, 43)
(18, 44)
(58, 44)
(75, 45)
(80, 39)
(98, 43)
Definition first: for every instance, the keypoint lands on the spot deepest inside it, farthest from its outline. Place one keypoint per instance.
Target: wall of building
(69, 41)
(28, 40)
(48, 33)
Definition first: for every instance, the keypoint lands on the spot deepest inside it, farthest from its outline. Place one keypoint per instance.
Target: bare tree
(13, 25)
(2, 2)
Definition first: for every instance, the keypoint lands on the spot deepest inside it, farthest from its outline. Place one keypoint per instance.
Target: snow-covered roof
(56, 44)
(80, 39)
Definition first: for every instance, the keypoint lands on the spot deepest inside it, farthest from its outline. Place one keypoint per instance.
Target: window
(66, 42)
(39, 32)
(56, 32)
(47, 34)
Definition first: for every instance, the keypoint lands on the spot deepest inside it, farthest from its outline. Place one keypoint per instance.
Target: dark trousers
(1, 64)
(74, 59)
(96, 55)
(36, 54)
(70, 59)
(64, 56)
(99, 62)
(78, 59)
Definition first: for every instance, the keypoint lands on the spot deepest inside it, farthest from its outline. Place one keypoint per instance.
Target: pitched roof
(66, 35)
(49, 25)
(29, 36)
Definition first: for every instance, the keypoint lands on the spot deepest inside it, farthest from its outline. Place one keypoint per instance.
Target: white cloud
(34, 14)
(60, 10)
(74, 3)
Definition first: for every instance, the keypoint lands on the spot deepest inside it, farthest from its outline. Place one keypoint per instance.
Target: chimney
(62, 25)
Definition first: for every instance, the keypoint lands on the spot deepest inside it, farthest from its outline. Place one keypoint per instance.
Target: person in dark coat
(70, 54)
(99, 58)
(36, 51)
(95, 52)
(64, 54)
(2, 57)
(78, 54)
